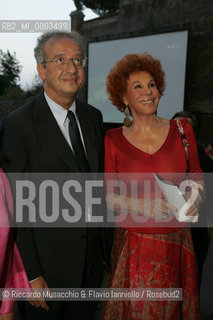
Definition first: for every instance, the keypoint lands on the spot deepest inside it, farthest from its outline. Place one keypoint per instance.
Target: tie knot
(71, 117)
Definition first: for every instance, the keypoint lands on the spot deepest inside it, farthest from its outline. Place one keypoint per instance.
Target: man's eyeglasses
(62, 62)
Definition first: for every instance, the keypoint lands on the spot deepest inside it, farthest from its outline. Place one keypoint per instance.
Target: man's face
(61, 83)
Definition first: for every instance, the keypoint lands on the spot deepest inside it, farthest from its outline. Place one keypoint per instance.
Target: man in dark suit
(37, 138)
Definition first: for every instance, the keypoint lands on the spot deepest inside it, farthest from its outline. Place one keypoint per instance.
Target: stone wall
(143, 17)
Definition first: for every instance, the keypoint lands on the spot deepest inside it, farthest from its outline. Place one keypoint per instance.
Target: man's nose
(70, 65)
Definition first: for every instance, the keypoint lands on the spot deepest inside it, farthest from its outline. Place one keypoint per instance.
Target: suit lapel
(87, 128)
(51, 133)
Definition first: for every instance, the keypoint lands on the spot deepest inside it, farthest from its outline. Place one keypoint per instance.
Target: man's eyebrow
(57, 55)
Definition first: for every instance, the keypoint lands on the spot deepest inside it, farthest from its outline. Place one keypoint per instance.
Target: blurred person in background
(209, 150)
(201, 235)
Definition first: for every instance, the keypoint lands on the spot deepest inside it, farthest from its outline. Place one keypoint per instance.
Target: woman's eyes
(150, 85)
(137, 86)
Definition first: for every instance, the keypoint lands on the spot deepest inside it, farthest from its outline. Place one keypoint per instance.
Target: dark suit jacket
(33, 142)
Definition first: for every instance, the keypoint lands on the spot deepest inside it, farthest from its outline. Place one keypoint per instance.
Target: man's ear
(41, 71)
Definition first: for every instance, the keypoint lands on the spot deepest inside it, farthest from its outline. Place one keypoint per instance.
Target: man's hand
(39, 283)
(8, 316)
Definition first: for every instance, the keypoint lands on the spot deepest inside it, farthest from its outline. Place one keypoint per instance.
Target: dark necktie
(77, 143)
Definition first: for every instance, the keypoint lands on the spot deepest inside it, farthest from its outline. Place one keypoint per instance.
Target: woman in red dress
(157, 253)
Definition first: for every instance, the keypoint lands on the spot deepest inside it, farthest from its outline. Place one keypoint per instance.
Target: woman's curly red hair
(116, 82)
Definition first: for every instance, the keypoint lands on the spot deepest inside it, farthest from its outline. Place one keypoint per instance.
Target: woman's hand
(194, 198)
(160, 209)
(153, 208)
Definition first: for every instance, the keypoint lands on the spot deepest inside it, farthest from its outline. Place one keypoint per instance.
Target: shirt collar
(58, 111)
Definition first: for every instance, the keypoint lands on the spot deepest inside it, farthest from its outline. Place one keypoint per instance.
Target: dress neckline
(146, 153)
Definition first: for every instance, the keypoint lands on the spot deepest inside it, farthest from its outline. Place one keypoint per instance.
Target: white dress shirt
(60, 115)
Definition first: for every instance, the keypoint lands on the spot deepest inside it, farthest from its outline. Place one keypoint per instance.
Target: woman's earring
(127, 120)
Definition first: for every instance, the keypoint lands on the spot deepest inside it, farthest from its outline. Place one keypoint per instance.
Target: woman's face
(141, 95)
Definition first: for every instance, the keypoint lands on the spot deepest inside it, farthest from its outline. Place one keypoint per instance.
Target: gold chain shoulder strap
(186, 147)
(184, 139)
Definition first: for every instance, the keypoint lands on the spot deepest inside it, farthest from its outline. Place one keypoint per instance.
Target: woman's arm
(152, 208)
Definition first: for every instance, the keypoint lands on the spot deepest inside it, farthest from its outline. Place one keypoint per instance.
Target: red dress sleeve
(110, 166)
